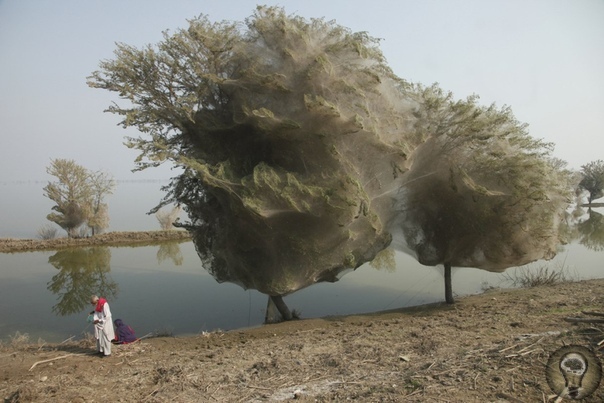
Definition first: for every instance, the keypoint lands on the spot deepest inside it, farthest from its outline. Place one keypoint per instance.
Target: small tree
(101, 184)
(71, 193)
(593, 179)
(47, 231)
(166, 218)
(78, 195)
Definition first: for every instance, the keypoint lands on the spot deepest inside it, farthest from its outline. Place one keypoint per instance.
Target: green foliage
(593, 179)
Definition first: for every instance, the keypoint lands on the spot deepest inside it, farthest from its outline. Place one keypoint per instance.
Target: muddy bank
(138, 238)
(486, 348)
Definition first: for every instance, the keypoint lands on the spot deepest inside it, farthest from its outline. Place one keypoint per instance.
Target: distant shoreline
(127, 238)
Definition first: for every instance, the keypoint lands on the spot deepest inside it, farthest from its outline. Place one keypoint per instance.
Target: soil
(139, 238)
(491, 347)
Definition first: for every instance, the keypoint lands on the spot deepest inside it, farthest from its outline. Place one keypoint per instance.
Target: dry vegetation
(139, 238)
(486, 348)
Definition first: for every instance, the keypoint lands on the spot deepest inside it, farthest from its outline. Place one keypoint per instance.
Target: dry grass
(490, 347)
(531, 276)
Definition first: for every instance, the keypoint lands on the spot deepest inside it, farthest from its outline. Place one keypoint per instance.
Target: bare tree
(47, 231)
(167, 218)
(593, 179)
(101, 184)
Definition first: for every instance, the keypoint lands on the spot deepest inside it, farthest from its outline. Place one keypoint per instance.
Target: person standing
(103, 325)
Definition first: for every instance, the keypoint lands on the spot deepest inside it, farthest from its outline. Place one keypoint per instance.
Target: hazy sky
(543, 58)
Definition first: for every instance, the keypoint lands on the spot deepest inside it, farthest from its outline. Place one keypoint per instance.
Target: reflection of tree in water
(170, 250)
(591, 231)
(82, 273)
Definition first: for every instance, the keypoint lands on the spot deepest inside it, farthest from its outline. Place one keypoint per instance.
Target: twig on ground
(66, 340)
(583, 320)
(505, 396)
(151, 394)
(592, 313)
(257, 387)
(52, 359)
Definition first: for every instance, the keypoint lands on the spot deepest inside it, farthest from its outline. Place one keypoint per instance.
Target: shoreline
(485, 347)
(119, 238)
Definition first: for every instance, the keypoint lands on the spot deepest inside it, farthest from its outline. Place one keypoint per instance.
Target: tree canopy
(78, 194)
(303, 155)
(593, 179)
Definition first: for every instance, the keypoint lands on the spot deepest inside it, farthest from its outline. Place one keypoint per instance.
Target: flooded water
(165, 289)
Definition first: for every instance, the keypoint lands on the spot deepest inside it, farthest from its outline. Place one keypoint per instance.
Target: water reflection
(82, 273)
(591, 231)
(171, 251)
(86, 271)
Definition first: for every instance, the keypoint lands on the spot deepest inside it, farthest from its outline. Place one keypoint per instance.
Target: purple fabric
(124, 333)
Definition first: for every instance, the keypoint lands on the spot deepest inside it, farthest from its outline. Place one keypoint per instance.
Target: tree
(71, 193)
(303, 155)
(593, 179)
(167, 218)
(267, 128)
(78, 194)
(482, 193)
(101, 184)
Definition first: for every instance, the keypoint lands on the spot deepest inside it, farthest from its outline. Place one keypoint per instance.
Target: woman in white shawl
(103, 325)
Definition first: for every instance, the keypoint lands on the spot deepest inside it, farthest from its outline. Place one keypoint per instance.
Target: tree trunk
(448, 285)
(272, 314)
(281, 307)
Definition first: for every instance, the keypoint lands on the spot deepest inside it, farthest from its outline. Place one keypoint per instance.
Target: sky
(543, 58)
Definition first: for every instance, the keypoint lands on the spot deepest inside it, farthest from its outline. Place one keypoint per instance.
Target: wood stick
(151, 394)
(584, 320)
(508, 397)
(52, 359)
(592, 313)
(66, 340)
(257, 387)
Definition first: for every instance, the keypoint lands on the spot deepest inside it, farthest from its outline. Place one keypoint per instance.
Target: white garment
(103, 330)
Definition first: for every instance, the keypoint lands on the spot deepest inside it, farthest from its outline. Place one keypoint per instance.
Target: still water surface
(165, 289)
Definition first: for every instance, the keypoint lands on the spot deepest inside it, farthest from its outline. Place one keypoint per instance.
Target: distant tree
(78, 194)
(47, 231)
(72, 194)
(101, 184)
(593, 179)
(167, 218)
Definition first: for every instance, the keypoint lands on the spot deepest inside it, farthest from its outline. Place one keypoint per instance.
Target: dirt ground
(485, 348)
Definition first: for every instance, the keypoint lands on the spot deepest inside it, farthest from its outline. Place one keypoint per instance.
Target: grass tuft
(534, 276)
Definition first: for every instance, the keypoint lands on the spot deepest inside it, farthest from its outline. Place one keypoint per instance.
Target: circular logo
(573, 372)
